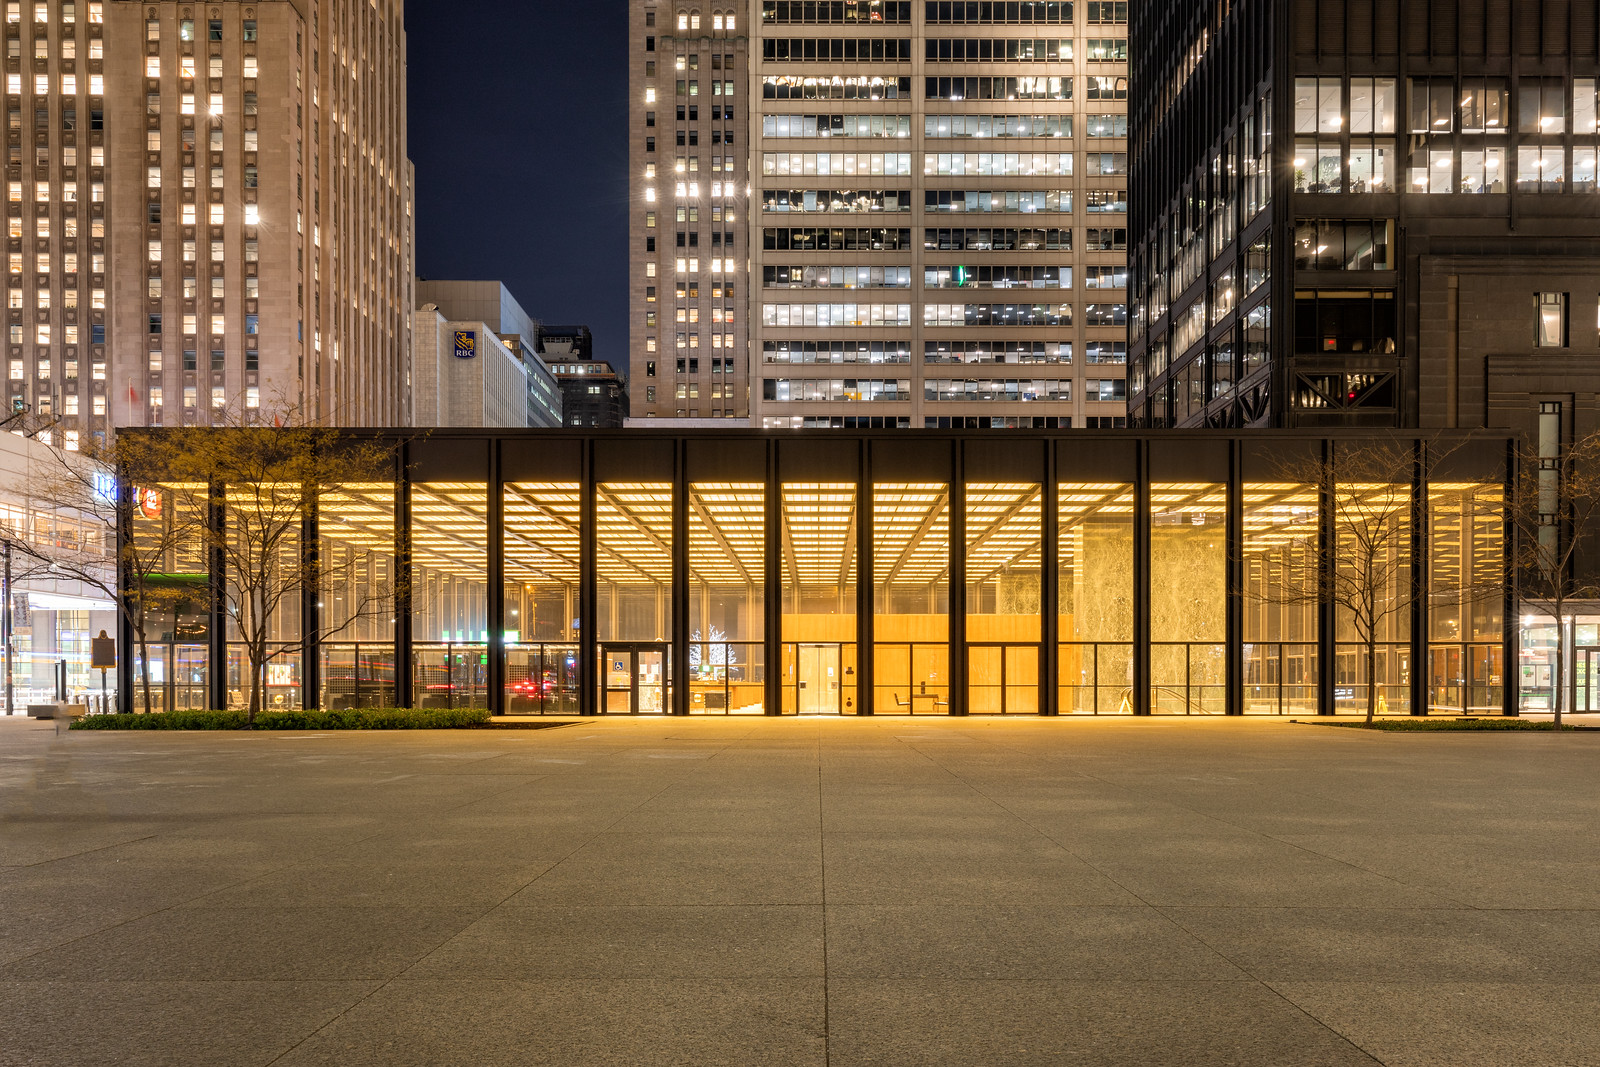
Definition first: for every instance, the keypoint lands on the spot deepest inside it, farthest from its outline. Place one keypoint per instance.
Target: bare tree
(1555, 516)
(267, 479)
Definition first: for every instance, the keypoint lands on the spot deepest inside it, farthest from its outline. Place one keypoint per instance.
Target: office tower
(941, 195)
(1351, 214)
(209, 209)
(688, 112)
(861, 150)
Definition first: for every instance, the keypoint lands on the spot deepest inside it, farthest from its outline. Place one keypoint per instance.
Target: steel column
(1233, 620)
(679, 600)
(1510, 676)
(865, 600)
(125, 636)
(311, 604)
(772, 591)
(217, 565)
(588, 590)
(957, 599)
(1050, 586)
(1327, 561)
(1419, 578)
(1141, 580)
(495, 592)
(403, 624)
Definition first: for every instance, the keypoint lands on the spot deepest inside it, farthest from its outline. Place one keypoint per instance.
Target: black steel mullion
(125, 575)
(1419, 578)
(1233, 622)
(588, 590)
(957, 561)
(496, 571)
(772, 588)
(217, 564)
(403, 624)
(1510, 677)
(679, 598)
(1327, 560)
(311, 604)
(1141, 580)
(865, 600)
(1050, 587)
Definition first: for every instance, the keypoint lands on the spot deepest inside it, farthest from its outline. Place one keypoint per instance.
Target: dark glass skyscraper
(1346, 213)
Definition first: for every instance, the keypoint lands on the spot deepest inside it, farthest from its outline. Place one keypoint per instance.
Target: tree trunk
(144, 667)
(257, 669)
(1561, 663)
(1372, 679)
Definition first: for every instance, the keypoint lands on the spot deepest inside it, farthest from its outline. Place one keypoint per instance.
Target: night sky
(518, 133)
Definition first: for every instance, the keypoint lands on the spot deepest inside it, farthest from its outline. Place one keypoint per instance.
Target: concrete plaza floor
(842, 892)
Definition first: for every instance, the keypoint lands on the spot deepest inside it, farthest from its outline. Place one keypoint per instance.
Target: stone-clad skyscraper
(209, 209)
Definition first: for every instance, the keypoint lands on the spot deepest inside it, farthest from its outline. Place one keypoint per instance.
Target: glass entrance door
(1587, 677)
(1003, 679)
(818, 680)
(635, 679)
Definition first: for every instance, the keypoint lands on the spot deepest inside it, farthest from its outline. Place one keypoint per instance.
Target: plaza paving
(843, 892)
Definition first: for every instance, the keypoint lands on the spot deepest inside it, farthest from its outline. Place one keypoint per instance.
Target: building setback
(1355, 215)
(846, 573)
(210, 210)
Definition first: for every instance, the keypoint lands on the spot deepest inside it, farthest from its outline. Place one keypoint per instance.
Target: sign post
(103, 657)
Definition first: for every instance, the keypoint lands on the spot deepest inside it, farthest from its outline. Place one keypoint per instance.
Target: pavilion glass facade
(791, 573)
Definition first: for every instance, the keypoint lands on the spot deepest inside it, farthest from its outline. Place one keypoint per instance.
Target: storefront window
(449, 594)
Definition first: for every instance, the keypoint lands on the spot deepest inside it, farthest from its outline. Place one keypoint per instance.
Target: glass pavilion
(834, 573)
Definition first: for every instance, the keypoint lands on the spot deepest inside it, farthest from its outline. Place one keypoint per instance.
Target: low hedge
(1422, 724)
(349, 719)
